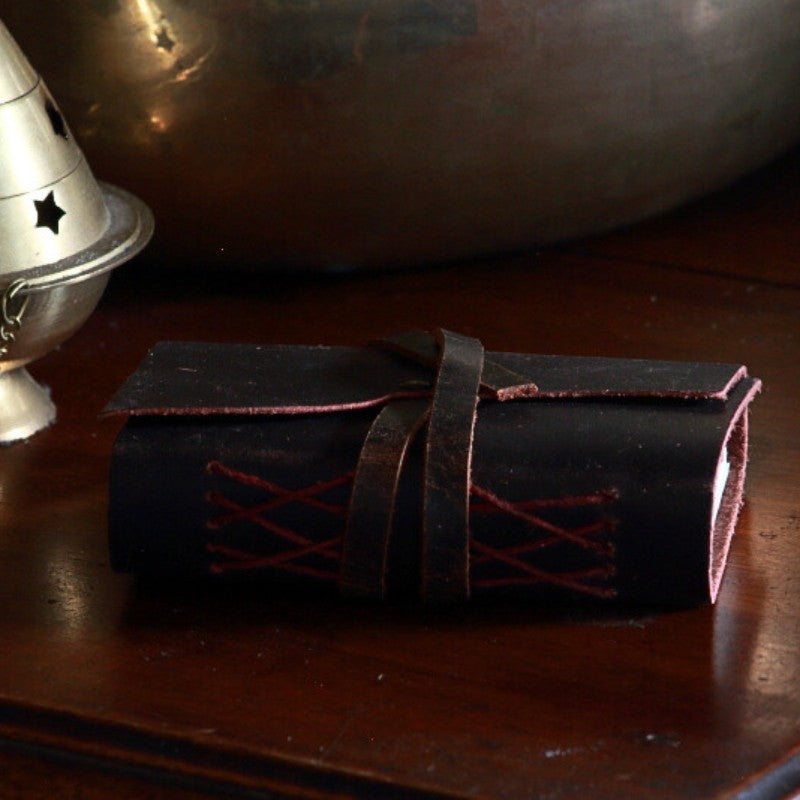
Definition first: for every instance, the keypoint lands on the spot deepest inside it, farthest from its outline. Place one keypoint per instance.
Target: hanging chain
(11, 313)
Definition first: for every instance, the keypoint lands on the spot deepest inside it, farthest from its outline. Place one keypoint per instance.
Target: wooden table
(111, 686)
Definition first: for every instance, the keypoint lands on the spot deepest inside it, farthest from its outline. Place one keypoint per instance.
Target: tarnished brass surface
(354, 133)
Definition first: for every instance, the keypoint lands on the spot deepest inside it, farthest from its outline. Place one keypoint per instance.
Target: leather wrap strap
(373, 496)
(450, 415)
(448, 461)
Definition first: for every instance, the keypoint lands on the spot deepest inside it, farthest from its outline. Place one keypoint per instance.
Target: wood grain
(185, 690)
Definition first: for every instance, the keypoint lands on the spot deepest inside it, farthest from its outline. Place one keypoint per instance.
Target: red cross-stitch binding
(590, 537)
(288, 559)
(590, 580)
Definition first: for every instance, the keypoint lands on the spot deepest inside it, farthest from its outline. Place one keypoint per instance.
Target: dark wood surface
(111, 686)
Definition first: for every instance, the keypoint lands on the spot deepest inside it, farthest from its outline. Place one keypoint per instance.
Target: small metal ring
(10, 293)
(11, 322)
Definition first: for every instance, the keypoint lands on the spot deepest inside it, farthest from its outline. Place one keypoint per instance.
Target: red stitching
(580, 536)
(533, 575)
(603, 548)
(285, 560)
(252, 515)
(244, 560)
(576, 536)
(598, 498)
(488, 503)
(283, 496)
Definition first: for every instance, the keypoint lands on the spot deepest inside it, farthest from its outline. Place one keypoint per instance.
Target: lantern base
(25, 406)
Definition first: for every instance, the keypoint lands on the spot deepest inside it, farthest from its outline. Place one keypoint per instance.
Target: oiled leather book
(424, 465)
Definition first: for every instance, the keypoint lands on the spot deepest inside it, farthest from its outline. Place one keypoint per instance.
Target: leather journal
(424, 465)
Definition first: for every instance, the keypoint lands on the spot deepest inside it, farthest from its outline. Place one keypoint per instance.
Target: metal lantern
(61, 231)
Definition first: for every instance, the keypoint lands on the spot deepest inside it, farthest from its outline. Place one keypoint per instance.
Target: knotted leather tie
(462, 376)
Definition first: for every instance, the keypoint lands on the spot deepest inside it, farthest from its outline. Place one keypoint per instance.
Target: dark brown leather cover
(425, 465)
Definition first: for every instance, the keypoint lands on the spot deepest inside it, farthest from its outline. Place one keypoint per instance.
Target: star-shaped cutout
(56, 120)
(48, 213)
(164, 41)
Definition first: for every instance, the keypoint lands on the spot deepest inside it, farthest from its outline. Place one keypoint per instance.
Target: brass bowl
(358, 133)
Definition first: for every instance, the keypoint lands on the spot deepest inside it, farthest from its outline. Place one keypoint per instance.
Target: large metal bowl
(355, 133)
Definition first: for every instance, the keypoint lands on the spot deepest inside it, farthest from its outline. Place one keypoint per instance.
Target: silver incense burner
(61, 232)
